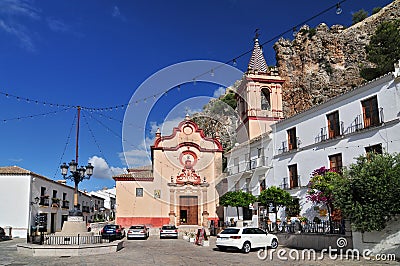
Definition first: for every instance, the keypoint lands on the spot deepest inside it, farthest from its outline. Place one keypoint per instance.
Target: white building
(26, 195)
(108, 209)
(272, 151)
(333, 134)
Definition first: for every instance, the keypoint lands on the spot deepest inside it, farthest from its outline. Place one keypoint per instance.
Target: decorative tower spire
(257, 60)
(158, 133)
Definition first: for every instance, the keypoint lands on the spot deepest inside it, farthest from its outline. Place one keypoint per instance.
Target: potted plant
(191, 237)
(55, 202)
(303, 220)
(186, 235)
(278, 221)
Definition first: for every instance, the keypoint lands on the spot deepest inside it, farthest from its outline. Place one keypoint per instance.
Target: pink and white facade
(180, 187)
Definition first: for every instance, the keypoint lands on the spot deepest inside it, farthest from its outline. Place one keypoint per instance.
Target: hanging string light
(294, 33)
(293, 29)
(338, 9)
(37, 115)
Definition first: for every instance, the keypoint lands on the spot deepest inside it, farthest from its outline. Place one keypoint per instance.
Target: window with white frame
(139, 192)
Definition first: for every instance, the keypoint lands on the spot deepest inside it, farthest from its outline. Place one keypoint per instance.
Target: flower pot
(191, 240)
(186, 238)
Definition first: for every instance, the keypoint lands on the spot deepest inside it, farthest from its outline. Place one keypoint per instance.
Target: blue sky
(97, 53)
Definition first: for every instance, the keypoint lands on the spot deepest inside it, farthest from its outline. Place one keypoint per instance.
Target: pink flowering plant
(321, 187)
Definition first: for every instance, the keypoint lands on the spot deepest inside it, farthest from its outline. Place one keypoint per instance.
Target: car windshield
(137, 227)
(110, 227)
(230, 231)
(168, 227)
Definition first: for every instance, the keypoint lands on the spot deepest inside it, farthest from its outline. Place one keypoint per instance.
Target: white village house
(28, 195)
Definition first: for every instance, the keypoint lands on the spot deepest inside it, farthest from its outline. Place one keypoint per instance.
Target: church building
(180, 187)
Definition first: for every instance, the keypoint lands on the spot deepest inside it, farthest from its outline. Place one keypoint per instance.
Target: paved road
(164, 252)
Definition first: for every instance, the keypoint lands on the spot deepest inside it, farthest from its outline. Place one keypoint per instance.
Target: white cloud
(19, 8)
(14, 9)
(20, 32)
(135, 157)
(57, 25)
(16, 160)
(218, 92)
(102, 170)
(116, 13)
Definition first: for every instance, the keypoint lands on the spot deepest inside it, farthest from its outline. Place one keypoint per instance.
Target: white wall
(380, 242)
(14, 203)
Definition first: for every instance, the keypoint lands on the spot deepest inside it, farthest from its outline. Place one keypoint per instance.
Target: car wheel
(246, 247)
(274, 243)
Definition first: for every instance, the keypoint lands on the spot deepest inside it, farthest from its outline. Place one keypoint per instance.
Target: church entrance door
(188, 210)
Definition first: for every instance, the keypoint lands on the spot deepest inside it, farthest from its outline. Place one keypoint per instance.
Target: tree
(383, 50)
(275, 196)
(368, 193)
(230, 99)
(321, 187)
(237, 199)
(359, 16)
(376, 10)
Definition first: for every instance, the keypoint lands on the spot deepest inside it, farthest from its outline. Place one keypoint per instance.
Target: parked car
(115, 231)
(168, 231)
(138, 231)
(245, 239)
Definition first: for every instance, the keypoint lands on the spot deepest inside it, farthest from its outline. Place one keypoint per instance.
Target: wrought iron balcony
(44, 201)
(65, 204)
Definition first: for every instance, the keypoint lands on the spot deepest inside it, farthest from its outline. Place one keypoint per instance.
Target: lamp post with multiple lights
(77, 176)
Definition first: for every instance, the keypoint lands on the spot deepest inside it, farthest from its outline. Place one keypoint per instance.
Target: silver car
(168, 231)
(138, 231)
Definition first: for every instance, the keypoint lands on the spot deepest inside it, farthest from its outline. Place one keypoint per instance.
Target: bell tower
(259, 97)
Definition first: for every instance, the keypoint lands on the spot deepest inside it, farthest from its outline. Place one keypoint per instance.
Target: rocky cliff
(324, 62)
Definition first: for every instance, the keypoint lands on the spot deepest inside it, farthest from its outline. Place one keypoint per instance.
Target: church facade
(181, 185)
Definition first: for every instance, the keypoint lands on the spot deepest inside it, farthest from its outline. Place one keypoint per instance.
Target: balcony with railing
(65, 204)
(360, 122)
(333, 133)
(283, 148)
(293, 183)
(251, 165)
(44, 201)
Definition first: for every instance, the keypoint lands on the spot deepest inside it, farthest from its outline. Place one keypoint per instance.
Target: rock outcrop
(324, 62)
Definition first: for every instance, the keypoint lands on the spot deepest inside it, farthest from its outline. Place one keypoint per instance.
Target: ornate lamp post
(77, 175)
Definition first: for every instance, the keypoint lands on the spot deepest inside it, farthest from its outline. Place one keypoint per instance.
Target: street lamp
(35, 201)
(77, 175)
